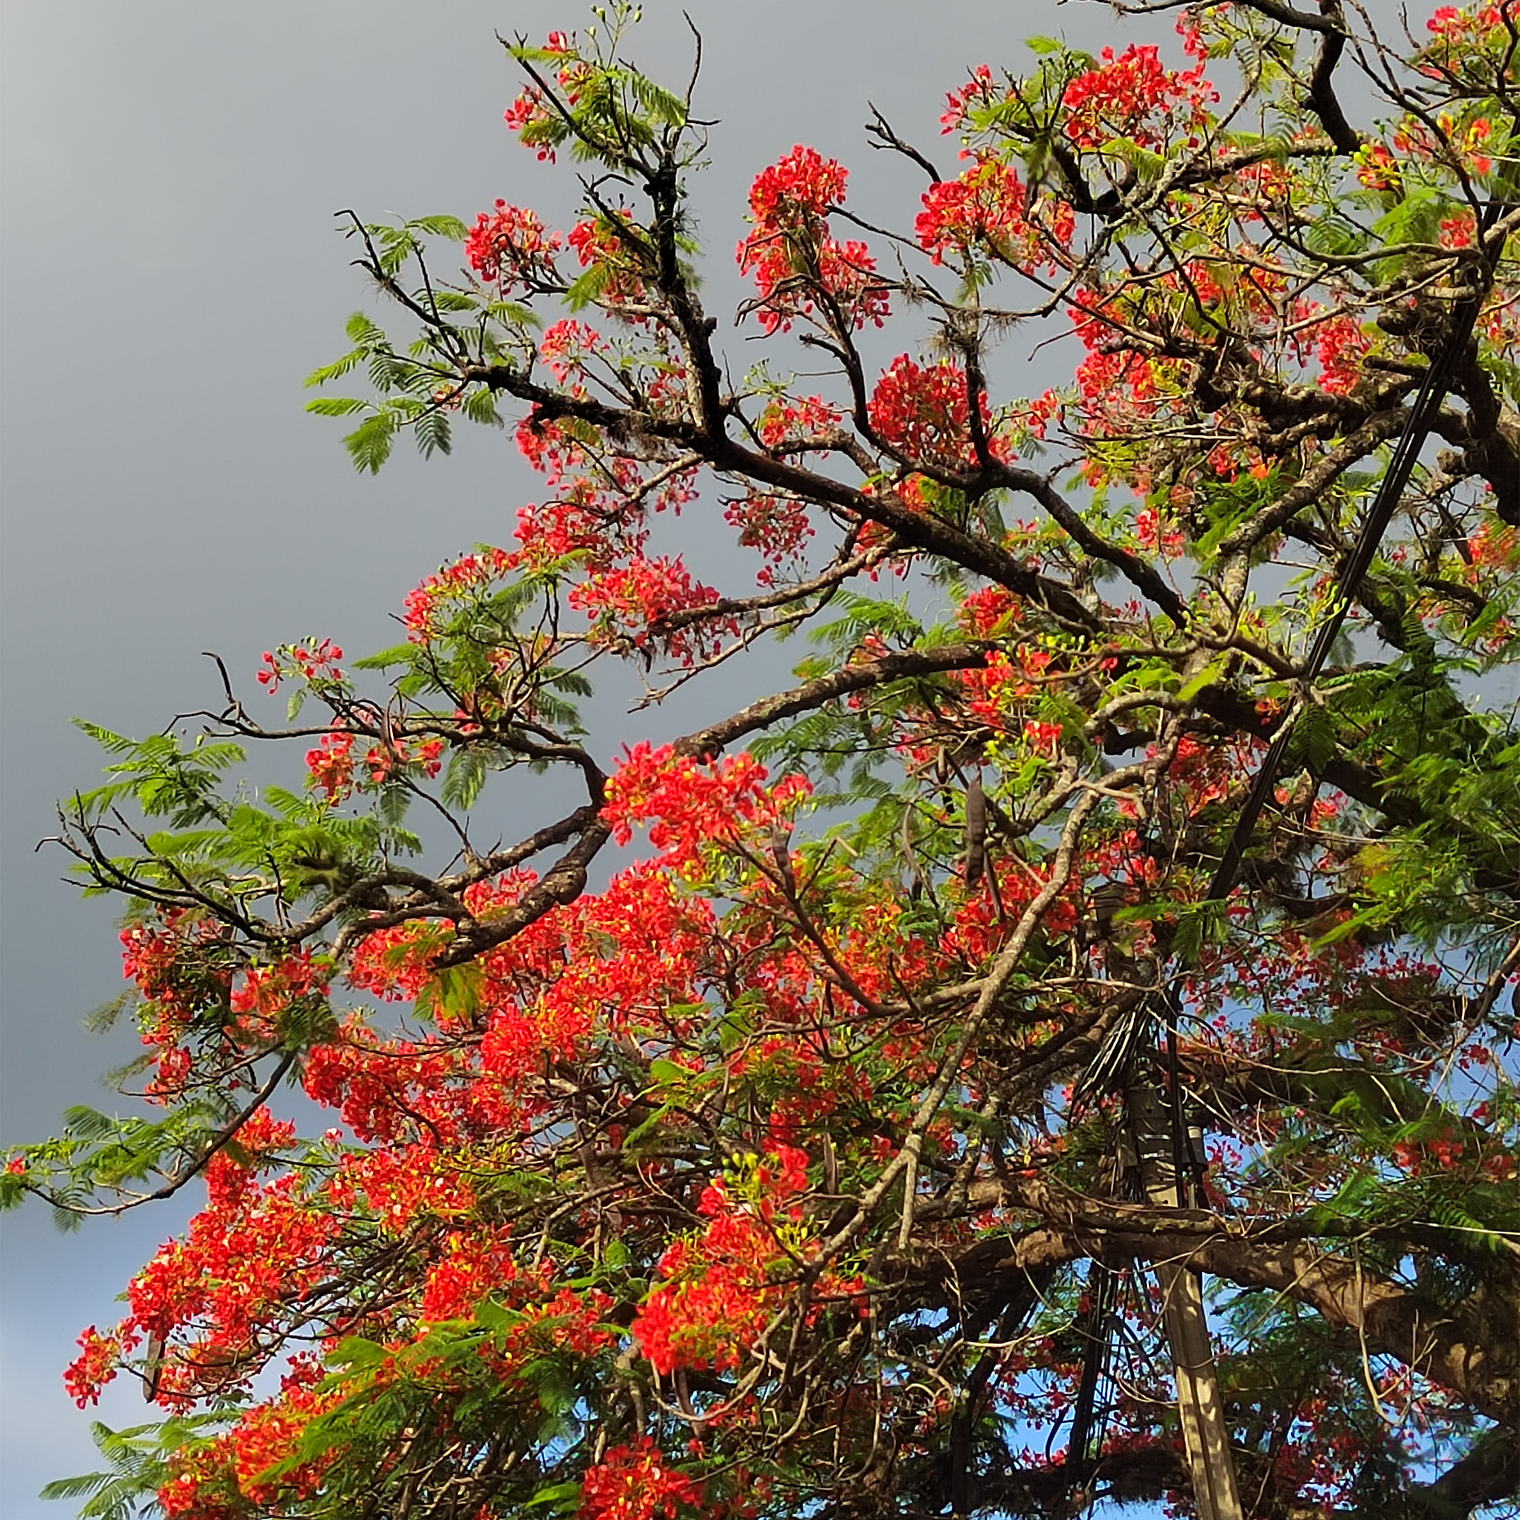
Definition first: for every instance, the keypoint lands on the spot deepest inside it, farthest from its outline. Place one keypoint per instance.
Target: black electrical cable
(1081, 1450)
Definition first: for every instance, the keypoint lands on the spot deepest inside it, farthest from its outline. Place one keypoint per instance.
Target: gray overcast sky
(170, 273)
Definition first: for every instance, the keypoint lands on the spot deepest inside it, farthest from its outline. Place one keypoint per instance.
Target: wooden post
(1205, 1432)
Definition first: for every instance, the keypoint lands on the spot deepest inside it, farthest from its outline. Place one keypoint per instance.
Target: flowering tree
(1122, 898)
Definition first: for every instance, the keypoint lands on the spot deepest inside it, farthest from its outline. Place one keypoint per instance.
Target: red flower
(429, 606)
(958, 103)
(309, 661)
(96, 1363)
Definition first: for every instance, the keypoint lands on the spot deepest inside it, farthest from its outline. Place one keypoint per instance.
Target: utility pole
(1205, 1431)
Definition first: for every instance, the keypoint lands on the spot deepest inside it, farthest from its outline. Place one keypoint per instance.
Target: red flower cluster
(1377, 167)
(632, 607)
(989, 610)
(1135, 96)
(797, 419)
(635, 1482)
(598, 242)
(618, 960)
(719, 1291)
(330, 767)
(795, 193)
(245, 1256)
(1494, 545)
(179, 973)
(403, 1186)
(510, 246)
(221, 1479)
(202, 1485)
(567, 347)
(1116, 386)
(96, 1364)
(985, 205)
(977, 90)
(777, 526)
(259, 1142)
(384, 761)
(1155, 535)
(531, 110)
(470, 1265)
(923, 411)
(1467, 24)
(797, 265)
(309, 661)
(1035, 416)
(429, 606)
(266, 990)
(694, 805)
(1008, 679)
(1458, 231)
(1341, 345)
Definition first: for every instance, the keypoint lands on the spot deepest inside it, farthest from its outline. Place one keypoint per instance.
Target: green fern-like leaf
(370, 444)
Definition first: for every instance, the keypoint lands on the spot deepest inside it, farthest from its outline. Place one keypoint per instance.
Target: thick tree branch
(1474, 1352)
